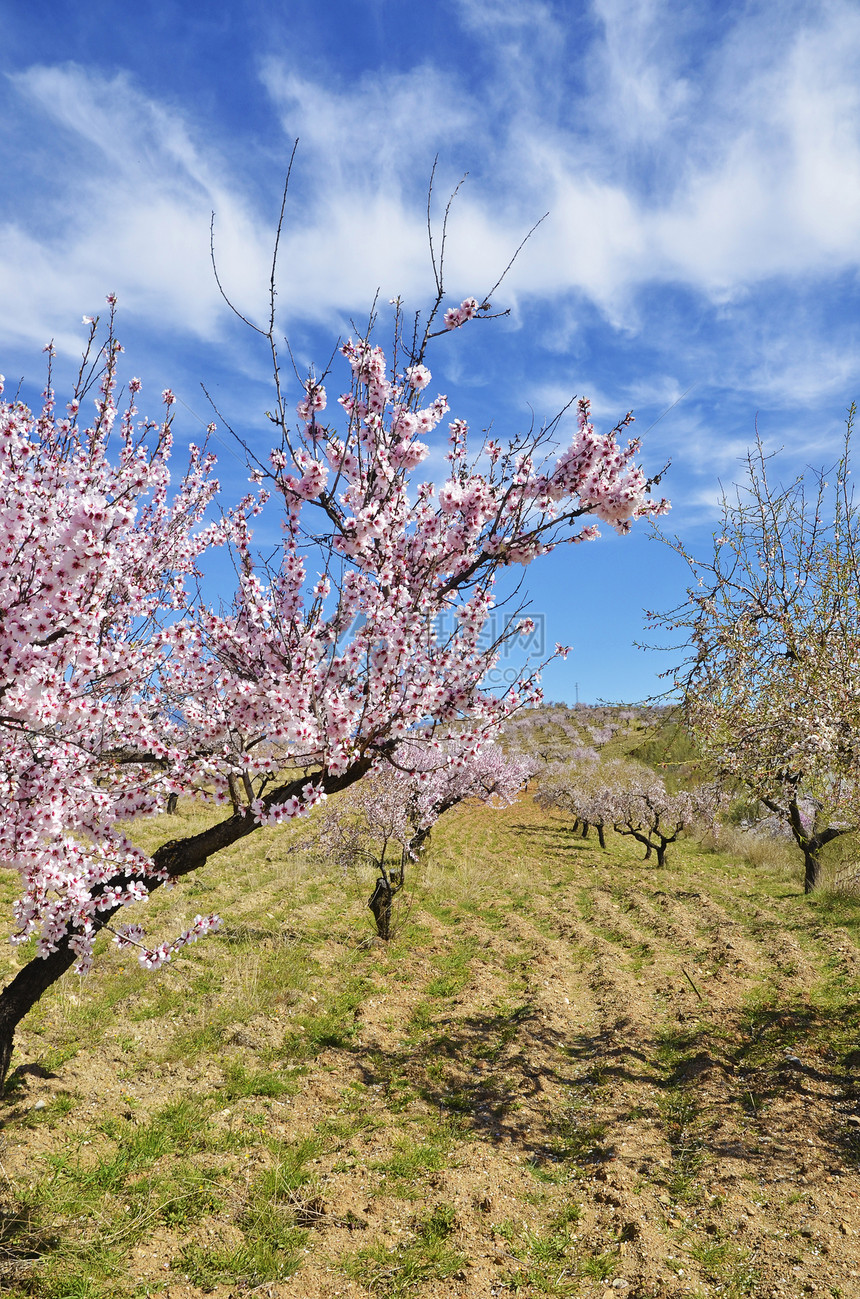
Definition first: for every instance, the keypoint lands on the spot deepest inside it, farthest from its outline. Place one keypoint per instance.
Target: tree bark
(380, 905)
(811, 870)
(625, 827)
(419, 842)
(178, 857)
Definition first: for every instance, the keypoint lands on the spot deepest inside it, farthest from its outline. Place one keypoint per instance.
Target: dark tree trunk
(663, 845)
(178, 857)
(419, 842)
(387, 886)
(380, 905)
(20, 996)
(810, 842)
(600, 837)
(638, 835)
(586, 826)
(811, 869)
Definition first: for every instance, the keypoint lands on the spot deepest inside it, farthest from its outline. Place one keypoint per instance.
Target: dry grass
(764, 851)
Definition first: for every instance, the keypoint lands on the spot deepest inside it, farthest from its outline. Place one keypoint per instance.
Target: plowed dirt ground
(569, 1073)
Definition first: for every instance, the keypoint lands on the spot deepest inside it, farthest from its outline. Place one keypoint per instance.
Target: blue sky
(700, 164)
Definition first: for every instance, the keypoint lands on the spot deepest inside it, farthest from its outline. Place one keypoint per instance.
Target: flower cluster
(152, 958)
(95, 554)
(457, 316)
(397, 804)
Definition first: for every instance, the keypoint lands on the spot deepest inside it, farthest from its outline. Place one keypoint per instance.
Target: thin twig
(272, 290)
(233, 308)
(692, 984)
(488, 296)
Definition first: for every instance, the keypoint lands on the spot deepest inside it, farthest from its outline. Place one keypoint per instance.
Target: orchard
(361, 640)
(576, 948)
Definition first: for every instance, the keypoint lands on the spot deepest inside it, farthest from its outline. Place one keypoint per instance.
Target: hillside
(569, 1073)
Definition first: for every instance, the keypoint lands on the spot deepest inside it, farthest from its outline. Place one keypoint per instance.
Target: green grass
(682, 1117)
(426, 1254)
(415, 1154)
(332, 1023)
(273, 1239)
(728, 1266)
(240, 1082)
(550, 1260)
(288, 1090)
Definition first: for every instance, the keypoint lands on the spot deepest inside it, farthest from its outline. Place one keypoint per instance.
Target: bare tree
(771, 685)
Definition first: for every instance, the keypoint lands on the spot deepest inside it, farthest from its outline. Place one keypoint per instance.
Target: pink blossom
(418, 377)
(456, 316)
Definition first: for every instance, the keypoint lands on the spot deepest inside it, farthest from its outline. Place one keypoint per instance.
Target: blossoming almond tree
(573, 787)
(642, 806)
(395, 808)
(632, 800)
(368, 624)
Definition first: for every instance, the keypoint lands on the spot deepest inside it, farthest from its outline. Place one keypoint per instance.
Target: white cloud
(633, 74)
(791, 373)
(130, 215)
(378, 131)
(719, 177)
(754, 155)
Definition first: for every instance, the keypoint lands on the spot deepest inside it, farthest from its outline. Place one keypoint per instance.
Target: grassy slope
(566, 1069)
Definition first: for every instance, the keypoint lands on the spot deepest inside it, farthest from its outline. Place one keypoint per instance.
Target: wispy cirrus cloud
(676, 148)
(760, 166)
(129, 211)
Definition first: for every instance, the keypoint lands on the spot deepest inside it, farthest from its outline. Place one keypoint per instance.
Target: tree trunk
(600, 838)
(380, 905)
(388, 886)
(810, 842)
(178, 857)
(21, 995)
(419, 842)
(811, 869)
(626, 828)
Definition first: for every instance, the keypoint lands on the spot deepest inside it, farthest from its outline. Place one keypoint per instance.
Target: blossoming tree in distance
(644, 808)
(386, 820)
(118, 691)
(630, 799)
